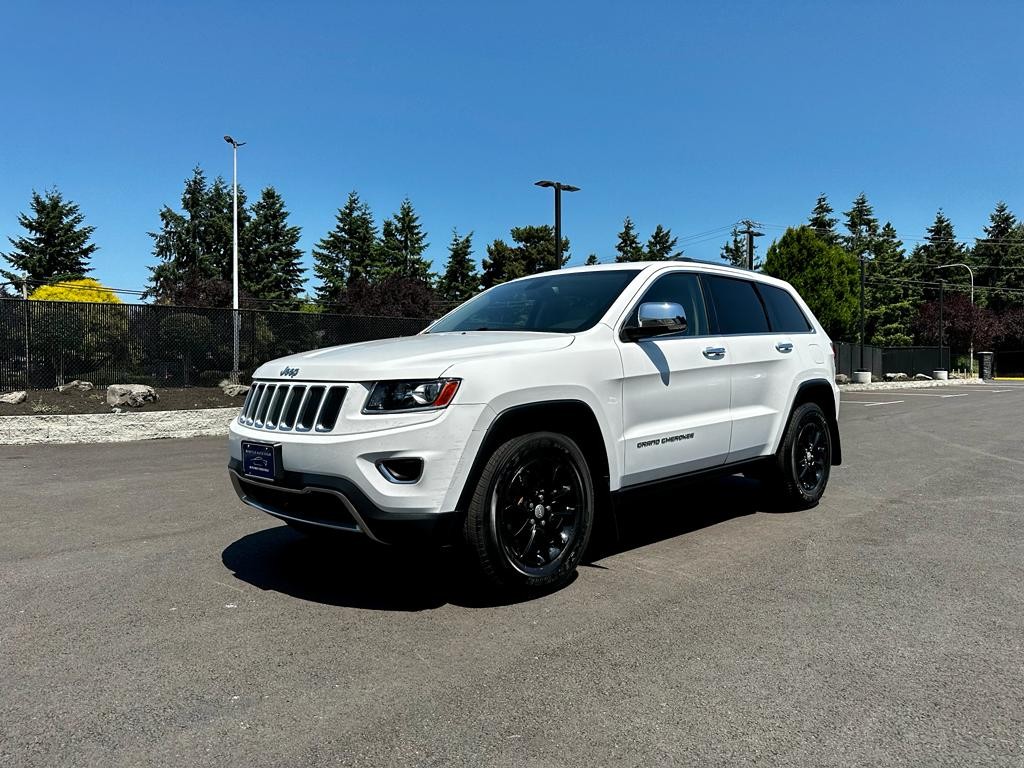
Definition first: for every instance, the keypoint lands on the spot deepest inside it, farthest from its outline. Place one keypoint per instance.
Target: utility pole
(559, 187)
(971, 273)
(234, 258)
(942, 335)
(751, 229)
(863, 261)
(28, 357)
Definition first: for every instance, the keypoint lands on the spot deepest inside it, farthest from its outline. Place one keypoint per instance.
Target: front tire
(531, 513)
(804, 460)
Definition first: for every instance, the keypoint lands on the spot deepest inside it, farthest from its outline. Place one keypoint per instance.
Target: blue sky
(693, 115)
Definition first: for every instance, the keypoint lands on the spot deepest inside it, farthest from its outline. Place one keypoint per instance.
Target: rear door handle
(784, 346)
(714, 353)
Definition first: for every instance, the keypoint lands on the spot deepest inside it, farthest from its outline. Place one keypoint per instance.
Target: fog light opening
(401, 470)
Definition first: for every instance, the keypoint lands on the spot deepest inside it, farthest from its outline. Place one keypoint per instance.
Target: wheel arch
(820, 392)
(573, 418)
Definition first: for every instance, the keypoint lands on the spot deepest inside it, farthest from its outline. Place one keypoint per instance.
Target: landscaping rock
(842, 378)
(14, 398)
(896, 377)
(133, 395)
(234, 390)
(81, 386)
(922, 377)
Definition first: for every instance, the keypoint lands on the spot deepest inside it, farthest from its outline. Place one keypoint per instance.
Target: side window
(737, 305)
(682, 288)
(783, 313)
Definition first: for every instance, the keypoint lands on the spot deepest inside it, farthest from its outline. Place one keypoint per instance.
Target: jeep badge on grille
(290, 372)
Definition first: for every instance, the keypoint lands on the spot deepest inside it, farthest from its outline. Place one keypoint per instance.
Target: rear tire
(804, 460)
(532, 512)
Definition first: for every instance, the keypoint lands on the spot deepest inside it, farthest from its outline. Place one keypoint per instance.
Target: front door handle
(714, 353)
(784, 346)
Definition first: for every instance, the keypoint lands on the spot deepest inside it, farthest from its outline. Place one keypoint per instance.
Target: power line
(930, 241)
(935, 284)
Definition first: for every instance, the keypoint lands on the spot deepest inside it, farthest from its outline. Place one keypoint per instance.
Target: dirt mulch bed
(48, 402)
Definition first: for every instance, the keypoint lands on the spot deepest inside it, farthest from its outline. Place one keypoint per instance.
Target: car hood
(425, 356)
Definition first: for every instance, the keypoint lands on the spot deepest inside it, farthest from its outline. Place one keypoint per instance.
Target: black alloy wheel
(811, 455)
(535, 508)
(804, 461)
(532, 511)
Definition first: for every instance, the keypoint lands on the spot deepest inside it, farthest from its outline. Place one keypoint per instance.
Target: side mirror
(657, 319)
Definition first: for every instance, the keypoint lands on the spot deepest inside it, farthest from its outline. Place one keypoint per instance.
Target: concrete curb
(114, 427)
(882, 385)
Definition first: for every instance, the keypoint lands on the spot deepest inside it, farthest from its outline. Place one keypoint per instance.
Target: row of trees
(901, 286)
(365, 268)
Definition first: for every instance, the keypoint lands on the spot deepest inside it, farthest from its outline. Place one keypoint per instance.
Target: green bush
(211, 378)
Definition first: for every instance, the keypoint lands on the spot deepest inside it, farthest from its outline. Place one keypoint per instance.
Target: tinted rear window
(783, 312)
(737, 305)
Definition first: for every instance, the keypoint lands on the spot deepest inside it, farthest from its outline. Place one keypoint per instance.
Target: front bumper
(333, 481)
(337, 504)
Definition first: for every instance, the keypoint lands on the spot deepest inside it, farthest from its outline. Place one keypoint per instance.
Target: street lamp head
(557, 185)
(233, 143)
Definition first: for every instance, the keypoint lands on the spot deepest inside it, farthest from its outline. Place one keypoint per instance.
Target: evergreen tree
(999, 257)
(889, 306)
(348, 253)
(270, 266)
(501, 264)
(628, 247)
(56, 246)
(861, 225)
(194, 247)
(823, 222)
(533, 252)
(940, 246)
(591, 260)
(661, 245)
(402, 245)
(825, 275)
(734, 250)
(460, 280)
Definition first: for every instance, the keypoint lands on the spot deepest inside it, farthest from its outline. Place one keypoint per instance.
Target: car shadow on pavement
(348, 570)
(665, 511)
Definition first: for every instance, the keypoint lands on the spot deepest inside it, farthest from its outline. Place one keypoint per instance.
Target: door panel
(759, 322)
(675, 408)
(762, 375)
(675, 392)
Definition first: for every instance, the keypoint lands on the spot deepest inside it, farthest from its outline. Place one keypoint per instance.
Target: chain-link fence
(43, 343)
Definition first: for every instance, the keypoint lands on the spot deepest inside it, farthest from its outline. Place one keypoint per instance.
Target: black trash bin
(985, 365)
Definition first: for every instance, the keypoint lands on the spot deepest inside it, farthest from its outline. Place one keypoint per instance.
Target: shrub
(211, 378)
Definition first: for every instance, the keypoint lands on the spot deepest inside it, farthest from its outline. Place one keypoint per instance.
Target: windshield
(558, 303)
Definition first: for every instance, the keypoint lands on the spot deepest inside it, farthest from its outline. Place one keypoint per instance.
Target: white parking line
(869, 403)
(911, 394)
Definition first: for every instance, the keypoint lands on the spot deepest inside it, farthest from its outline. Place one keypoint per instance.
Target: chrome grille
(292, 407)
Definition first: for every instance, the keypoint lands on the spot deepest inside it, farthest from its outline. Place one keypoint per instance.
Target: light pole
(559, 187)
(234, 256)
(971, 273)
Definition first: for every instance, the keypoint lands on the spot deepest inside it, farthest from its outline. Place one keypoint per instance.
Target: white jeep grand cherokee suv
(510, 420)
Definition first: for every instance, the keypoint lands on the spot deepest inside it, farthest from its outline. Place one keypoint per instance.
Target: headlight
(387, 396)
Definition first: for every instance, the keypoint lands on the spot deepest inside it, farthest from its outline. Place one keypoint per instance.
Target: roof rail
(709, 263)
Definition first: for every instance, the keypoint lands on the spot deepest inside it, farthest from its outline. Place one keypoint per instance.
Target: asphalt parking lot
(149, 619)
